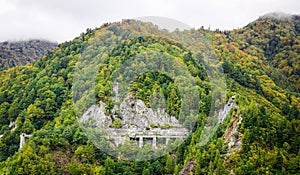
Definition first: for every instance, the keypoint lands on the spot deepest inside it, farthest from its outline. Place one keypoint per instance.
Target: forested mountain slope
(20, 53)
(275, 40)
(39, 98)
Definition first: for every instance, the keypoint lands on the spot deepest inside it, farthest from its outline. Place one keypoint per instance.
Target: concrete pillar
(167, 140)
(141, 140)
(22, 140)
(23, 137)
(154, 142)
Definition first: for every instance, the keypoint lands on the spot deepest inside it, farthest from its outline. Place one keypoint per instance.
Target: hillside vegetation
(20, 53)
(261, 67)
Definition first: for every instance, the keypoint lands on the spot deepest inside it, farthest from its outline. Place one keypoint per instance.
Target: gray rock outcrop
(132, 112)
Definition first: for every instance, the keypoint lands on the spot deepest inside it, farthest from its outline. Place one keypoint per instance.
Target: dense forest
(261, 69)
(22, 52)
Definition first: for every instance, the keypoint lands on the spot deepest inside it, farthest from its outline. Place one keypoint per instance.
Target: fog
(62, 20)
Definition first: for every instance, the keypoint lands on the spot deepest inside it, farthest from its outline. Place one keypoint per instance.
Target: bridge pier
(154, 142)
(119, 140)
(155, 137)
(23, 137)
(167, 140)
(141, 140)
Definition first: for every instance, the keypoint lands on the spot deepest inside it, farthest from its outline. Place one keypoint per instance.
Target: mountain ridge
(22, 52)
(39, 98)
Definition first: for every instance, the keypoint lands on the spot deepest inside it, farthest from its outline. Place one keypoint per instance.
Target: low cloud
(61, 20)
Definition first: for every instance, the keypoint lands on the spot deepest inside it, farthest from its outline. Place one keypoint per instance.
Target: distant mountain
(22, 52)
(261, 69)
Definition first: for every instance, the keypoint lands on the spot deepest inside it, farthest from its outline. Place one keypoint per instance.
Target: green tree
(109, 166)
(170, 164)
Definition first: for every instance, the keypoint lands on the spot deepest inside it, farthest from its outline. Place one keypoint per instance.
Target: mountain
(260, 134)
(20, 53)
(274, 38)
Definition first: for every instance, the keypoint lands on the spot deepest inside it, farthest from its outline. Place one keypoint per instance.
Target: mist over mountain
(259, 135)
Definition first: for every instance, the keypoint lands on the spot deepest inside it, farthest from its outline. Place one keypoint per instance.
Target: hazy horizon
(60, 21)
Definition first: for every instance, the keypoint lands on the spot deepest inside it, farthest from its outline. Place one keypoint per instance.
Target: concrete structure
(23, 138)
(141, 136)
(13, 124)
(223, 113)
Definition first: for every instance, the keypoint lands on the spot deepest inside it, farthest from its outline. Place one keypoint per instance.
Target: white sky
(62, 20)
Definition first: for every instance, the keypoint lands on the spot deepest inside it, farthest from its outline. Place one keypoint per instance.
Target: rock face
(223, 113)
(132, 113)
(135, 114)
(97, 116)
(233, 137)
(188, 168)
(136, 122)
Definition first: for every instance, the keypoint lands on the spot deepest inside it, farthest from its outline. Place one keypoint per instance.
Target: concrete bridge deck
(118, 136)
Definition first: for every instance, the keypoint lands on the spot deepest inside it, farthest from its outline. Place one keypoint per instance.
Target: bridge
(152, 136)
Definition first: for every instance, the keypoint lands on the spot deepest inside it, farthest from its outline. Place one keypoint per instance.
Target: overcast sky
(62, 20)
